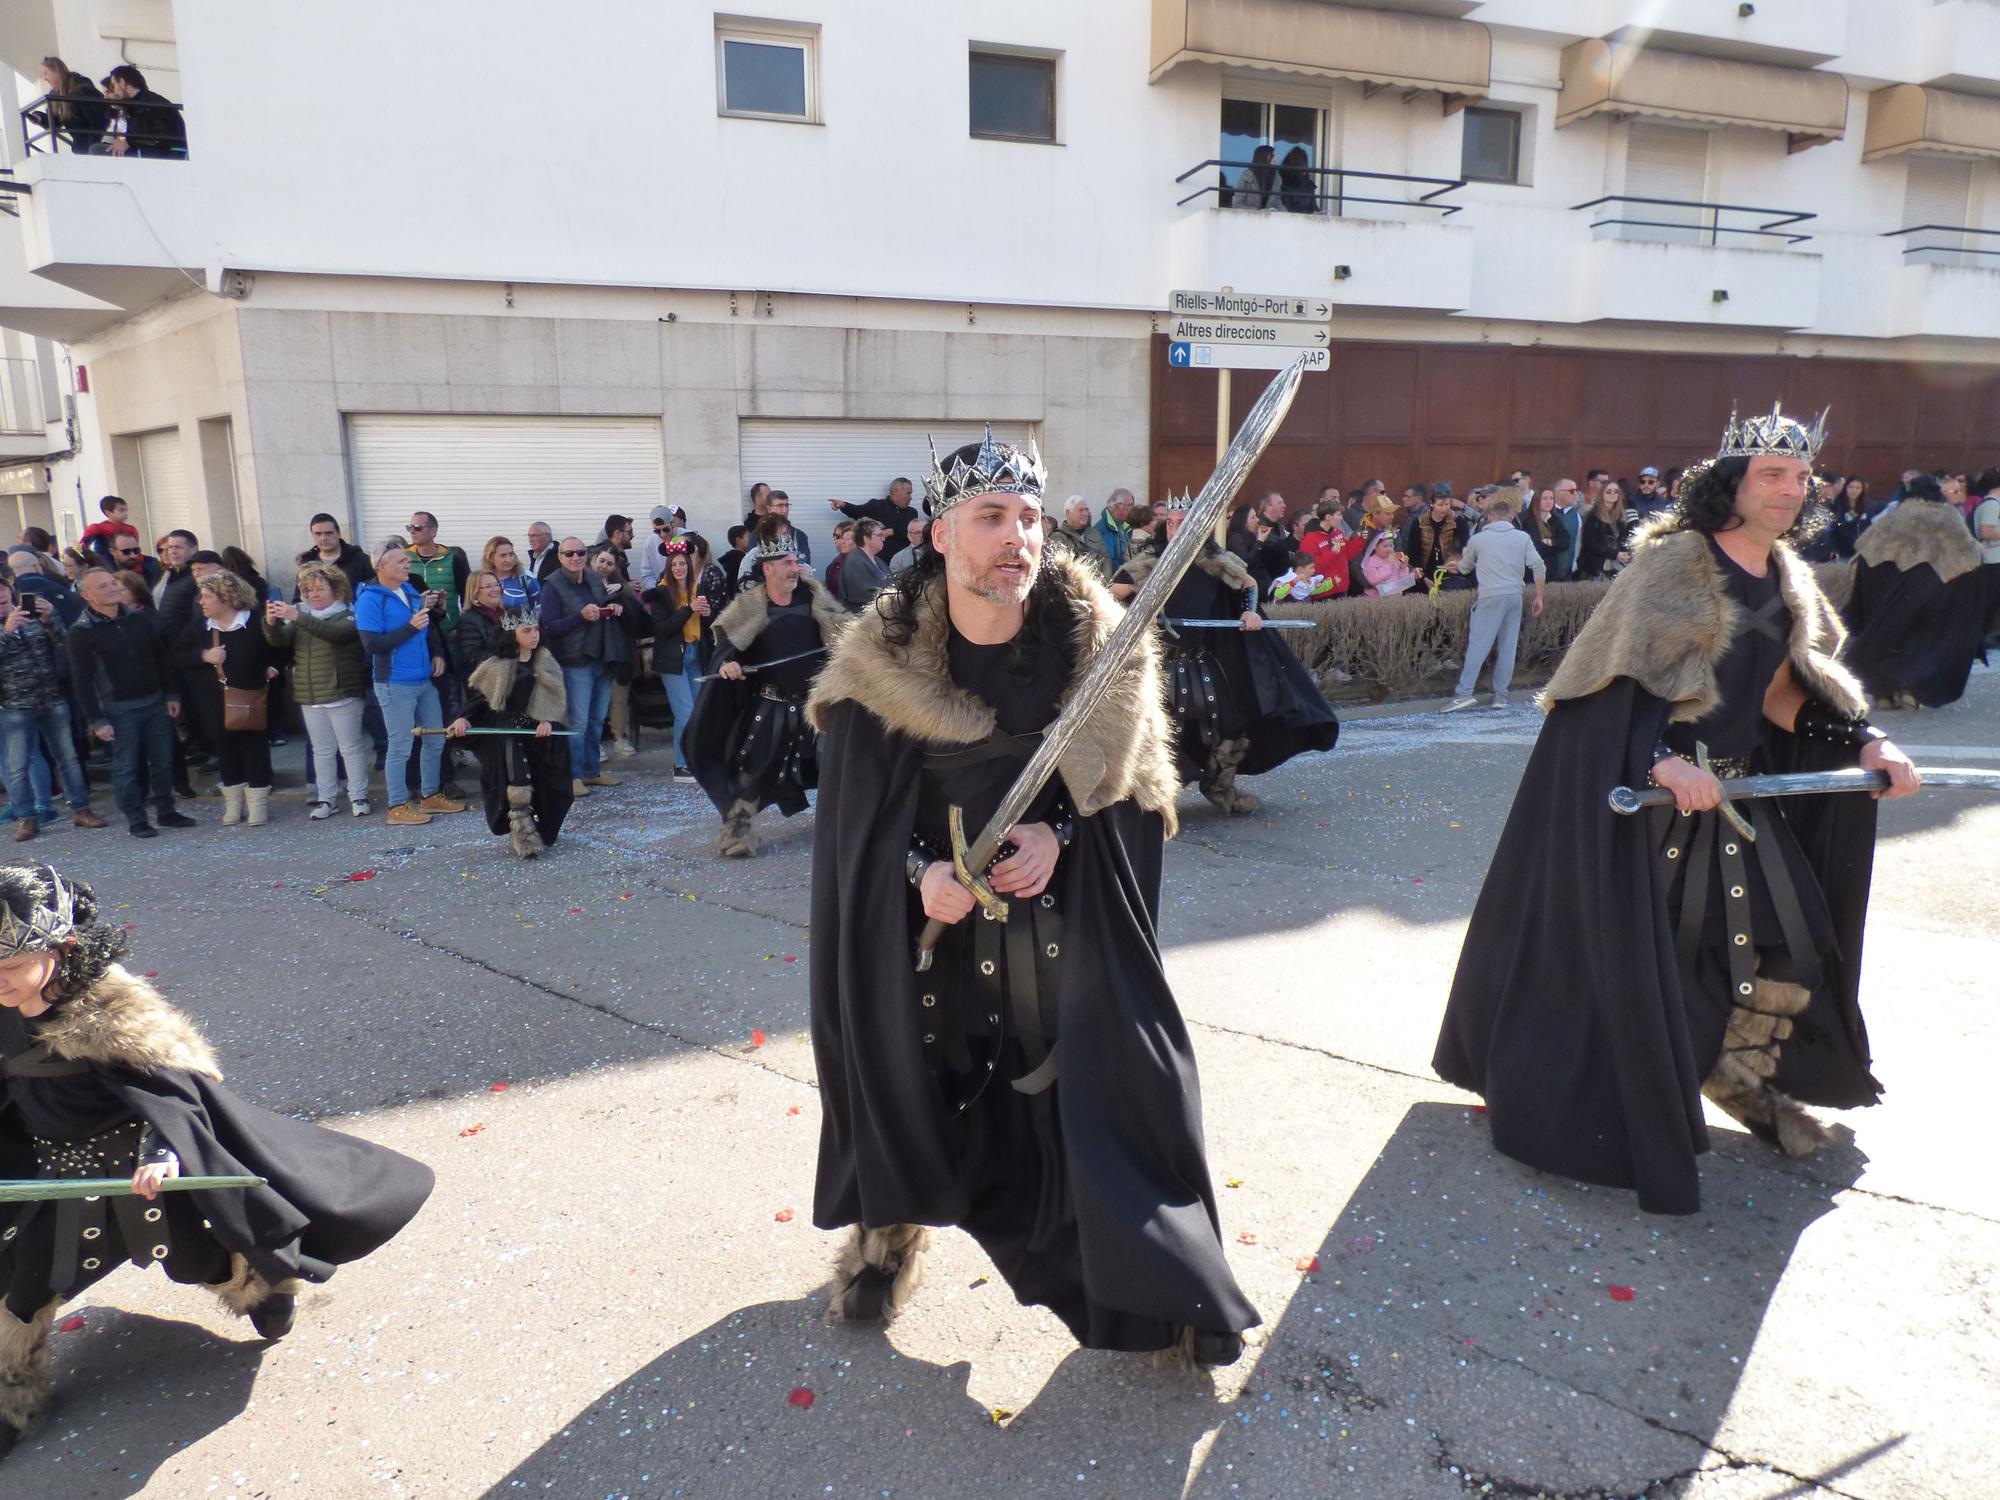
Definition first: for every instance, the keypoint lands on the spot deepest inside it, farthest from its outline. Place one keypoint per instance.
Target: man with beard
(748, 742)
(1433, 538)
(1727, 958)
(945, 1090)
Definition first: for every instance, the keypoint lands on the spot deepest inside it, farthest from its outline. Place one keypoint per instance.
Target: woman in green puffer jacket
(329, 681)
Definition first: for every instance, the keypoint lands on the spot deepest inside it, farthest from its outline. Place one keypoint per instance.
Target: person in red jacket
(100, 536)
(1333, 549)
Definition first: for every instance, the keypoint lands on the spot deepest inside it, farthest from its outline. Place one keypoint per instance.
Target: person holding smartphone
(33, 708)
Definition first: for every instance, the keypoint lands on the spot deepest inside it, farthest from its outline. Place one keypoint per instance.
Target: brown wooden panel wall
(1470, 413)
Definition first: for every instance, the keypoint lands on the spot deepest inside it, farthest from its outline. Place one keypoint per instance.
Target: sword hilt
(970, 872)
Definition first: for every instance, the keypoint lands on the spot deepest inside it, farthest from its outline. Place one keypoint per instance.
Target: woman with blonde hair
(479, 633)
(230, 678)
(519, 589)
(76, 109)
(329, 681)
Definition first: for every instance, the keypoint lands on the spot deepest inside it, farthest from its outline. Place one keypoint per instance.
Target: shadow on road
(713, 1416)
(187, 1380)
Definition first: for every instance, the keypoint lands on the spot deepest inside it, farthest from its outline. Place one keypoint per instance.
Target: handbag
(244, 710)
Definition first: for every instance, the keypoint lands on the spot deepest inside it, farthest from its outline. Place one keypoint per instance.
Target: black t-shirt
(789, 631)
(56, 1109)
(1735, 726)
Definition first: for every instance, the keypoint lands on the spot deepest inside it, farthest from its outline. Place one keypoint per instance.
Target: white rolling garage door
(492, 476)
(818, 461)
(163, 474)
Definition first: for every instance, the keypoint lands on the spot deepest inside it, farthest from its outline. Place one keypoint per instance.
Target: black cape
(1567, 1011)
(1914, 633)
(542, 765)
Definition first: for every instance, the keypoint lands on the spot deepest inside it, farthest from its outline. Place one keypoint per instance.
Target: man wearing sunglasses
(576, 611)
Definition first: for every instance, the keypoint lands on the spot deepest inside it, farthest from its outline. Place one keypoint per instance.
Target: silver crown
(778, 546)
(1174, 506)
(45, 927)
(1777, 434)
(994, 468)
(521, 618)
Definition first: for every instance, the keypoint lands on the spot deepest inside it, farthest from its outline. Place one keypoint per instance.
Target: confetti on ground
(277, 885)
(783, 1216)
(360, 875)
(1305, 1265)
(1000, 1416)
(576, 911)
(1361, 1244)
(793, 1110)
(472, 1129)
(801, 1397)
(1620, 1293)
(625, 896)
(70, 1325)
(1233, 1182)
(1245, 1237)
(757, 1039)
(497, 1088)
(152, 973)
(791, 958)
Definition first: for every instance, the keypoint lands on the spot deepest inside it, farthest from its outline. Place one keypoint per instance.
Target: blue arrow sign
(1177, 354)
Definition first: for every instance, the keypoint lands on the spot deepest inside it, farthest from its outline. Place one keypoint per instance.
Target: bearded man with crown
(1724, 958)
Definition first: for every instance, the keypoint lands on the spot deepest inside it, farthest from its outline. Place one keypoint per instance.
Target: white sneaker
(321, 811)
(1499, 701)
(1457, 703)
(619, 749)
(363, 808)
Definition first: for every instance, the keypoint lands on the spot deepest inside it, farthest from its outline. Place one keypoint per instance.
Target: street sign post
(1183, 356)
(1288, 307)
(1265, 334)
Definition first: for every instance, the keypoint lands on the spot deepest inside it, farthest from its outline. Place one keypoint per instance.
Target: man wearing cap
(748, 742)
(1649, 496)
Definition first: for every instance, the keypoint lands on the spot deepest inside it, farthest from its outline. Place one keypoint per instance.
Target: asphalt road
(615, 1290)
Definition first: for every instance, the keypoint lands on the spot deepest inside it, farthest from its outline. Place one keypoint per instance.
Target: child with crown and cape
(524, 775)
(1721, 955)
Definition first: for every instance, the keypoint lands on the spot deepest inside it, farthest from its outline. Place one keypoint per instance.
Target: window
(1492, 150)
(1669, 162)
(767, 70)
(1270, 151)
(1013, 96)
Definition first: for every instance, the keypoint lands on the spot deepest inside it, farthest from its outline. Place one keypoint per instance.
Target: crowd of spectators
(116, 116)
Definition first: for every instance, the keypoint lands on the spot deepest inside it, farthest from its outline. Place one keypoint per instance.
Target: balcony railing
(152, 127)
(20, 396)
(1775, 226)
(1310, 190)
(1927, 239)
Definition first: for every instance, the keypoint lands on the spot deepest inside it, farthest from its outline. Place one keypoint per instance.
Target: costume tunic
(1089, 1192)
(99, 1083)
(1592, 1053)
(512, 765)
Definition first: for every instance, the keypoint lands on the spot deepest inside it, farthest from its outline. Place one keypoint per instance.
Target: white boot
(233, 804)
(258, 802)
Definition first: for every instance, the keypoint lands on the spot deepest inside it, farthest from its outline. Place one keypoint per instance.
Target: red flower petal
(362, 875)
(72, 1324)
(1305, 1265)
(496, 1088)
(791, 958)
(793, 1110)
(783, 1216)
(1245, 1237)
(757, 1038)
(473, 1129)
(801, 1397)
(1621, 1293)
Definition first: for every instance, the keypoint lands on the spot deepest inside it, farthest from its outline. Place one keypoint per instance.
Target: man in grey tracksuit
(1499, 558)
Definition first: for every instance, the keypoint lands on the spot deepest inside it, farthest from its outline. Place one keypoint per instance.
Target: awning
(1910, 117)
(1600, 77)
(1328, 41)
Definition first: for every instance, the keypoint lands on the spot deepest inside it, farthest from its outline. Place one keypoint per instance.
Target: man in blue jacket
(405, 659)
(1115, 527)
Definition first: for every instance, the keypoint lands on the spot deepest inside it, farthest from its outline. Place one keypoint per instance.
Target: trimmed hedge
(1413, 644)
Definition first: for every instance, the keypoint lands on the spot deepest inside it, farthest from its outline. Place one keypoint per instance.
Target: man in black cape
(1241, 701)
(100, 1077)
(1709, 962)
(1035, 1086)
(1922, 603)
(747, 742)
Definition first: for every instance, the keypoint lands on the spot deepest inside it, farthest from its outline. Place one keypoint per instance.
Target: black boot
(1208, 1350)
(273, 1317)
(866, 1299)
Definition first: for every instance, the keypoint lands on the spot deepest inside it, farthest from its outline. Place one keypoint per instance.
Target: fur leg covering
(245, 1288)
(522, 836)
(25, 1390)
(1218, 779)
(1740, 1084)
(880, 1265)
(738, 839)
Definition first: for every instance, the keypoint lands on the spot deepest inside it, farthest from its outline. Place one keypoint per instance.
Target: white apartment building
(507, 261)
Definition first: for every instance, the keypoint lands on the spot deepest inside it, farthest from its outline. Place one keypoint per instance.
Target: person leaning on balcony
(143, 123)
(1295, 183)
(1258, 186)
(76, 108)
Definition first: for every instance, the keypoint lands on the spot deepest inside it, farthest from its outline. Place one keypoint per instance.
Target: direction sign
(1248, 335)
(1238, 357)
(1271, 306)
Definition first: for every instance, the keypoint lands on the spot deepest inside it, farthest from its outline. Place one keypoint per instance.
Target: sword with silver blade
(1237, 624)
(969, 862)
(1629, 800)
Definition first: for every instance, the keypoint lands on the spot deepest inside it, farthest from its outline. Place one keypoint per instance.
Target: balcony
(1787, 33)
(1949, 283)
(1376, 240)
(1638, 281)
(1960, 46)
(35, 304)
(103, 225)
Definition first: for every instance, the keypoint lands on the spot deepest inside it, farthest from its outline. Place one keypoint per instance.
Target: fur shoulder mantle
(1225, 567)
(1918, 532)
(493, 680)
(744, 620)
(1667, 621)
(124, 1020)
(1124, 750)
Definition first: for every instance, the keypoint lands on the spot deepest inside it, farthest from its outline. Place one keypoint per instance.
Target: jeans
(405, 706)
(681, 689)
(587, 686)
(1496, 620)
(19, 733)
(142, 735)
(336, 734)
